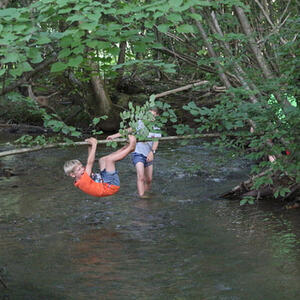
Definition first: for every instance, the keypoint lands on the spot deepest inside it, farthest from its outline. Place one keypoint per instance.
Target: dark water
(181, 243)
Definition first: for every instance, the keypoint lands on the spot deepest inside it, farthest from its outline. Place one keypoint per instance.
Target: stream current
(183, 243)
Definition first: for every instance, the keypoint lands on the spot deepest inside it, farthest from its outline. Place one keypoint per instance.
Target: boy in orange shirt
(106, 182)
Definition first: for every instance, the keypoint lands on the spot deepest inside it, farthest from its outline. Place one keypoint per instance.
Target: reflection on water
(181, 243)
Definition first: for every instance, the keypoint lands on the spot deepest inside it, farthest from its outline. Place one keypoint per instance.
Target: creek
(184, 242)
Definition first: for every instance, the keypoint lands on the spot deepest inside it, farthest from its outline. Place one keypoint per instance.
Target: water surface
(184, 242)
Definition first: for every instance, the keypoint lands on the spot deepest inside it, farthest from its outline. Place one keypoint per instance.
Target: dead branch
(42, 101)
(183, 88)
(56, 145)
(243, 187)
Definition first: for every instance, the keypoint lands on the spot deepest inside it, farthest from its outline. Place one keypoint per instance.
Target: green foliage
(26, 33)
(247, 200)
(94, 124)
(58, 126)
(281, 191)
(131, 118)
(230, 118)
(39, 140)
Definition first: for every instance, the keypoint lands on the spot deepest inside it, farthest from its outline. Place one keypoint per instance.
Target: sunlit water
(181, 243)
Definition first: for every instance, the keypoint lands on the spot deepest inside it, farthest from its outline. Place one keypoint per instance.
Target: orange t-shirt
(97, 189)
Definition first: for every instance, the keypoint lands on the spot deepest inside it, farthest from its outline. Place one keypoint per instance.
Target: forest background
(225, 67)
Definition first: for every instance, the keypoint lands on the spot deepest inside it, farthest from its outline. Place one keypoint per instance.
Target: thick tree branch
(121, 140)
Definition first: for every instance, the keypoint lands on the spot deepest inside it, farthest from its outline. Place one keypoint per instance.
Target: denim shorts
(137, 157)
(108, 177)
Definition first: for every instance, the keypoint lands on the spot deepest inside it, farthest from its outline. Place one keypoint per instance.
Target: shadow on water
(181, 243)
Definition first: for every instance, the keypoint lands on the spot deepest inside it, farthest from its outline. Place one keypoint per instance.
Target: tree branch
(56, 145)
(183, 88)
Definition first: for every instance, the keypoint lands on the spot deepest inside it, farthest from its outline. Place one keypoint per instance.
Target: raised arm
(91, 154)
(117, 135)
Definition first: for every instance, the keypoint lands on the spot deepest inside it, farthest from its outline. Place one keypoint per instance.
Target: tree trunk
(267, 72)
(239, 72)
(121, 60)
(102, 102)
(212, 53)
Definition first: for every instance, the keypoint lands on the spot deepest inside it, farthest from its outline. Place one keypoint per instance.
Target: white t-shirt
(145, 147)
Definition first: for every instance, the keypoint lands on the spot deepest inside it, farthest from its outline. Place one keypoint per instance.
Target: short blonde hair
(70, 165)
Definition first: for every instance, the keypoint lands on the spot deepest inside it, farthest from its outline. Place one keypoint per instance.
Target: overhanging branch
(56, 145)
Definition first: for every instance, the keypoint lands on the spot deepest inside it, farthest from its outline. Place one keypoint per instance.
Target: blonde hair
(70, 165)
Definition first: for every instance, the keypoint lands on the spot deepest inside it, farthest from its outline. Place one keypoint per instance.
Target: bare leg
(108, 162)
(140, 178)
(148, 177)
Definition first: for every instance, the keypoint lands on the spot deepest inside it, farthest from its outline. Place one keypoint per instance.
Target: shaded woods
(227, 67)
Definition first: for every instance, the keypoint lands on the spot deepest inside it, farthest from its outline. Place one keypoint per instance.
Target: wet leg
(140, 178)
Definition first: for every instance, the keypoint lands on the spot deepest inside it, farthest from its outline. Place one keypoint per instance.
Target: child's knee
(102, 162)
(141, 177)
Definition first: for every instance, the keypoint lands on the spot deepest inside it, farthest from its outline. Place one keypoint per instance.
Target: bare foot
(145, 196)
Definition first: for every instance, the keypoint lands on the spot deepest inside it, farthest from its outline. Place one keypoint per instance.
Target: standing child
(106, 182)
(143, 156)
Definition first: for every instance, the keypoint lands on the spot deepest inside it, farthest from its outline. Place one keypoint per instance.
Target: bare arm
(117, 135)
(155, 146)
(91, 155)
(150, 155)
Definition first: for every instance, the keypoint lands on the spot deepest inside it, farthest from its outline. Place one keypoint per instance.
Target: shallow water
(181, 243)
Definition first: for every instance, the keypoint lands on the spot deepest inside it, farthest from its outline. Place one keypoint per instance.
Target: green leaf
(114, 50)
(88, 26)
(158, 14)
(175, 3)
(65, 10)
(140, 47)
(95, 121)
(174, 18)
(66, 41)
(149, 23)
(185, 28)
(163, 28)
(10, 12)
(75, 62)
(98, 44)
(11, 57)
(196, 17)
(75, 18)
(114, 27)
(58, 67)
(16, 72)
(20, 28)
(79, 49)
(243, 202)
(204, 3)
(25, 66)
(64, 53)
(43, 39)
(157, 46)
